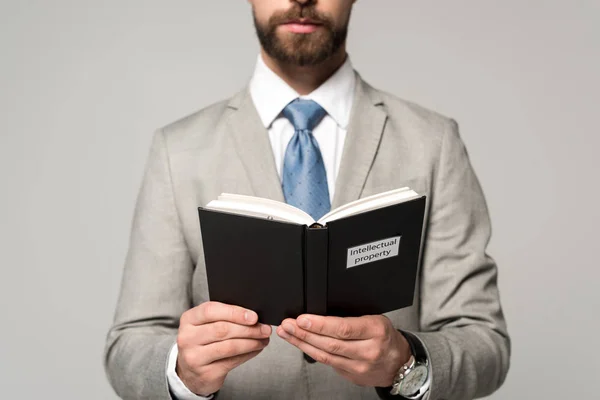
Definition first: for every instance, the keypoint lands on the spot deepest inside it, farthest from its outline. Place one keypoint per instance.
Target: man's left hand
(368, 351)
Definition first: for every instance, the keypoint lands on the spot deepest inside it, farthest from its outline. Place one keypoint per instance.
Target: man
(169, 341)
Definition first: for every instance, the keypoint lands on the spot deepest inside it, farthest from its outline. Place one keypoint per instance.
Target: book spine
(315, 269)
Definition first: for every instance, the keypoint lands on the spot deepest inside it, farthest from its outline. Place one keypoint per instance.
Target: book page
(370, 203)
(354, 203)
(260, 207)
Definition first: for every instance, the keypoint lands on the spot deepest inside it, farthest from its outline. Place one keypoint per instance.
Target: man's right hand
(213, 339)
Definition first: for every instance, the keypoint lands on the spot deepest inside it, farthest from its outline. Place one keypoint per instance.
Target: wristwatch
(412, 380)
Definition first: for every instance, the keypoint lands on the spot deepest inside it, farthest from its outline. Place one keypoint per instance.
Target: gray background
(84, 83)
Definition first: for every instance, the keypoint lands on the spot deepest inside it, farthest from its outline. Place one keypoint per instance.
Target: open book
(360, 258)
(275, 210)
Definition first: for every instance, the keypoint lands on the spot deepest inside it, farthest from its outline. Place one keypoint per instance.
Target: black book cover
(359, 265)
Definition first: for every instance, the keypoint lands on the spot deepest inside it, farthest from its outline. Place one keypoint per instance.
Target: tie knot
(304, 114)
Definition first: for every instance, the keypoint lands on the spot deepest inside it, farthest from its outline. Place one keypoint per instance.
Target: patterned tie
(304, 176)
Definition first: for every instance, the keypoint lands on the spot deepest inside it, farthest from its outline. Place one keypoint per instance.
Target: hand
(367, 350)
(213, 339)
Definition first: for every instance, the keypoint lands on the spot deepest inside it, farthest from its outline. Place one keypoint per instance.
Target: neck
(305, 79)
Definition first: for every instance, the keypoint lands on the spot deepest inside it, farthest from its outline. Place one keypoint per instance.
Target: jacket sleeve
(461, 321)
(155, 288)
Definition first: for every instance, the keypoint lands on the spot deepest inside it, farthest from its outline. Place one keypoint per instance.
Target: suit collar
(363, 93)
(367, 122)
(252, 144)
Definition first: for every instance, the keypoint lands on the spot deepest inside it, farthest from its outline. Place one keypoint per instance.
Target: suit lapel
(367, 122)
(253, 147)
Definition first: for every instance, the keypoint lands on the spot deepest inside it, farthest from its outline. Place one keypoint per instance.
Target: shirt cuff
(178, 389)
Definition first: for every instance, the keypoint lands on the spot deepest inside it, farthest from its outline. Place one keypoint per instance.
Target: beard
(301, 49)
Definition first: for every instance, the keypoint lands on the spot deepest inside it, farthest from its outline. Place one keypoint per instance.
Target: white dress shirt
(270, 95)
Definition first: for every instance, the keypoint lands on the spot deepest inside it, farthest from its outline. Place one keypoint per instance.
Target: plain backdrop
(83, 84)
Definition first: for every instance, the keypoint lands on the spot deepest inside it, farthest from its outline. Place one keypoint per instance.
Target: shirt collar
(271, 94)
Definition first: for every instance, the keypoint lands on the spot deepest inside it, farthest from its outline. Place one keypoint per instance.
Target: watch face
(414, 381)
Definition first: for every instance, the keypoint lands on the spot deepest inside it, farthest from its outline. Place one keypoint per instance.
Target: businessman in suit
(310, 131)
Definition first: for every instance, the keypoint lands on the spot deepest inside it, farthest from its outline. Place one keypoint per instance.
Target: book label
(371, 252)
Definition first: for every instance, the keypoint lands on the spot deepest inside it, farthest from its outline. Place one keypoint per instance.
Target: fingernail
(303, 323)
(265, 329)
(289, 328)
(283, 333)
(250, 316)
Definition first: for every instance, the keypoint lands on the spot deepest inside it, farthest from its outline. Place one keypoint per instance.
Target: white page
(370, 203)
(359, 201)
(259, 207)
(279, 211)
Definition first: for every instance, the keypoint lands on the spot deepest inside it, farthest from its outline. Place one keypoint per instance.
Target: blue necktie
(304, 176)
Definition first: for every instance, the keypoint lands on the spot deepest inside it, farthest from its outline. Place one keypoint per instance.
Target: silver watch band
(401, 374)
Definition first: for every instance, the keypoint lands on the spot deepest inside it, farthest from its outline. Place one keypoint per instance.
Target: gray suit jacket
(390, 143)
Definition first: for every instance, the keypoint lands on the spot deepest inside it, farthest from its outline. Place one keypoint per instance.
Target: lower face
(304, 43)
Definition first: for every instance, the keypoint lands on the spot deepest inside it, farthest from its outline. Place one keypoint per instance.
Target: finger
(218, 370)
(231, 348)
(219, 331)
(356, 328)
(212, 311)
(353, 349)
(319, 355)
(230, 363)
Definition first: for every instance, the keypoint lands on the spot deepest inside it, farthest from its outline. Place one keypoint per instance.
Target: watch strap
(416, 347)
